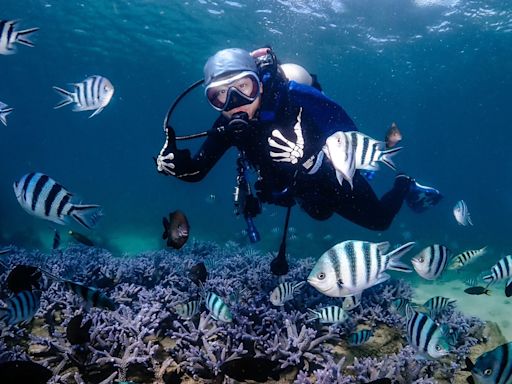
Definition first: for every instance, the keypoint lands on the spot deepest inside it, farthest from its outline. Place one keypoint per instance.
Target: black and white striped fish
(438, 304)
(9, 36)
(284, 292)
(4, 111)
(500, 271)
(431, 261)
(369, 152)
(360, 337)
(94, 93)
(465, 258)
(461, 213)
(492, 367)
(92, 296)
(21, 307)
(329, 315)
(188, 310)
(43, 197)
(425, 336)
(218, 308)
(352, 266)
(399, 306)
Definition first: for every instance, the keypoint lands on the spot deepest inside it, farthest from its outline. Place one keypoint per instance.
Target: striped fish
(43, 197)
(492, 367)
(461, 213)
(284, 292)
(188, 310)
(438, 304)
(21, 307)
(94, 93)
(9, 36)
(352, 266)
(218, 309)
(472, 281)
(329, 315)
(399, 305)
(431, 261)
(339, 151)
(4, 111)
(92, 296)
(369, 152)
(465, 258)
(500, 271)
(360, 337)
(425, 336)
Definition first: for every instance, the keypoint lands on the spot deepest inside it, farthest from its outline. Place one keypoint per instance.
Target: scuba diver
(279, 119)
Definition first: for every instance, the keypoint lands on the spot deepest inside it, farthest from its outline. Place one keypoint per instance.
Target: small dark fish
(56, 240)
(251, 368)
(24, 371)
(393, 136)
(76, 333)
(23, 278)
(176, 229)
(198, 273)
(477, 291)
(81, 238)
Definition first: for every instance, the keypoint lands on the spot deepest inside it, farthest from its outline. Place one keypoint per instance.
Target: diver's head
(232, 82)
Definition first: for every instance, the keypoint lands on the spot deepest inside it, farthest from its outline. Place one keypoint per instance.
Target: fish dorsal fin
(383, 247)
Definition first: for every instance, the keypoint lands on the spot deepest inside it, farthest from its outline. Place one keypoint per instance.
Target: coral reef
(145, 341)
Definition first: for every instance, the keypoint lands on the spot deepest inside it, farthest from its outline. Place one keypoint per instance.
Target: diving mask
(234, 91)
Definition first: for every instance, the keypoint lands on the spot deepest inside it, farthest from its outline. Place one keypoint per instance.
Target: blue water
(440, 69)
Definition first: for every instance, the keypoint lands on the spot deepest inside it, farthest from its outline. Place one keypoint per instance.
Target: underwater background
(440, 69)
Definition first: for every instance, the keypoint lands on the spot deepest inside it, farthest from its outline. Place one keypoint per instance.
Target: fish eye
(421, 259)
(488, 372)
(321, 276)
(438, 348)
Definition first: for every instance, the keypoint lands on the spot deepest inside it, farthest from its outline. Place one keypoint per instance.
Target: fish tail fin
(386, 155)
(4, 113)
(394, 258)
(166, 224)
(22, 36)
(313, 315)
(67, 97)
(86, 215)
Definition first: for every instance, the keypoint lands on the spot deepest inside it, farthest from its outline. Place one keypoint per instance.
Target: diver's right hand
(172, 161)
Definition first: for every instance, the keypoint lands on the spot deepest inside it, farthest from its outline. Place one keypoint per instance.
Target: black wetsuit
(284, 182)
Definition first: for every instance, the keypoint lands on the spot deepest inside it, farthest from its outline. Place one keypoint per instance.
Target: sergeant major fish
(360, 337)
(465, 258)
(492, 367)
(329, 315)
(461, 213)
(218, 308)
(4, 111)
(94, 93)
(43, 197)
(21, 307)
(188, 310)
(438, 304)
(500, 271)
(352, 266)
(9, 36)
(431, 261)
(284, 292)
(425, 336)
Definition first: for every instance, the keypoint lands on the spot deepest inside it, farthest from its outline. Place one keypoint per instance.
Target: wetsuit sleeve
(328, 116)
(196, 168)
